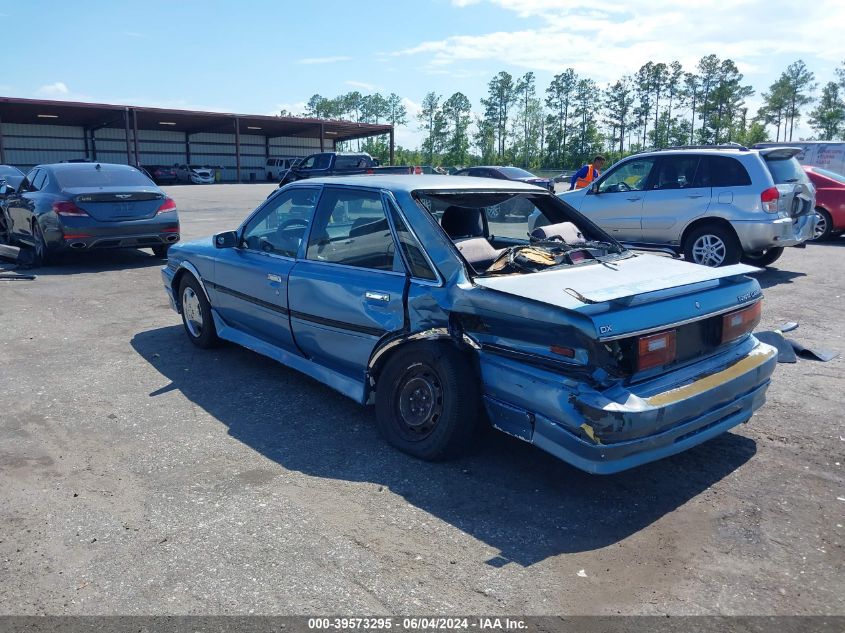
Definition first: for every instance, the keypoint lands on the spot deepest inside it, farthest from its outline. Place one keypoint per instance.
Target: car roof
(423, 182)
(77, 166)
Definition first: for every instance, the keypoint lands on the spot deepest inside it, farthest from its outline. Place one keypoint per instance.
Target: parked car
(339, 164)
(11, 176)
(195, 174)
(830, 201)
(515, 207)
(86, 206)
(603, 357)
(278, 167)
(715, 205)
(162, 175)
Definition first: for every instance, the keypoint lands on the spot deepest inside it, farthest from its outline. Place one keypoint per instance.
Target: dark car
(339, 164)
(605, 358)
(85, 206)
(508, 173)
(11, 176)
(830, 201)
(162, 175)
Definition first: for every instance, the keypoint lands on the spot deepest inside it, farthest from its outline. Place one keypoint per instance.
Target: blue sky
(259, 56)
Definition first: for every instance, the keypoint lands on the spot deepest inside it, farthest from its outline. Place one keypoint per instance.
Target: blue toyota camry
(406, 292)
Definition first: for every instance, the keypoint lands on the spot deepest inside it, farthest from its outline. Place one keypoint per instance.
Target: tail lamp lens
(769, 199)
(655, 350)
(735, 324)
(66, 208)
(169, 204)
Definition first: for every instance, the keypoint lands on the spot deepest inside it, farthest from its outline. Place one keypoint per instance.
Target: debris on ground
(789, 350)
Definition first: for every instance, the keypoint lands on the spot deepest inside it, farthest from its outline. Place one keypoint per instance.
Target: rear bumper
(758, 236)
(608, 432)
(117, 241)
(89, 234)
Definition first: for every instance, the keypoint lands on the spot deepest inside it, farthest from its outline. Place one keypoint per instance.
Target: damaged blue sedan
(413, 293)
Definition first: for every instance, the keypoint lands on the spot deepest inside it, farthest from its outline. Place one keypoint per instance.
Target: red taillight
(67, 209)
(168, 205)
(172, 229)
(769, 199)
(562, 351)
(735, 324)
(656, 349)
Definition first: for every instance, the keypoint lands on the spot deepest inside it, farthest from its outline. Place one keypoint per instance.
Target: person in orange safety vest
(587, 174)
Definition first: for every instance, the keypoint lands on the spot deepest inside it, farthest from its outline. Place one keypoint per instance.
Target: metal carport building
(34, 131)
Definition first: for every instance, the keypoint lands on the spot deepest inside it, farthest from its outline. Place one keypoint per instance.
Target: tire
(41, 255)
(5, 228)
(824, 227)
(196, 314)
(427, 401)
(766, 258)
(712, 245)
(161, 251)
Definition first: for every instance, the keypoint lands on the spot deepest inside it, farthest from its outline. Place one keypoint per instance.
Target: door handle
(276, 278)
(635, 198)
(695, 195)
(377, 296)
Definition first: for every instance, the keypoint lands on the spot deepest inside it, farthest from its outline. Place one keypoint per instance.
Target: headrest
(462, 222)
(566, 231)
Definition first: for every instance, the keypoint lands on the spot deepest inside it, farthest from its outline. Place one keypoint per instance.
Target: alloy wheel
(709, 250)
(192, 312)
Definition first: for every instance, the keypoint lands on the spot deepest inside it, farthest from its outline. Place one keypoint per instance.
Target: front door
(250, 285)
(348, 292)
(617, 205)
(677, 196)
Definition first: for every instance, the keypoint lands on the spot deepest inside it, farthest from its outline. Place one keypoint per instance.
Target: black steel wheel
(427, 401)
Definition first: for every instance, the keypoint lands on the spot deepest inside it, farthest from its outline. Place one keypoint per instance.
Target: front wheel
(764, 258)
(427, 401)
(712, 245)
(196, 314)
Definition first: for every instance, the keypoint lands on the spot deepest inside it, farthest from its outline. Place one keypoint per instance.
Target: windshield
(786, 170)
(505, 233)
(830, 174)
(90, 176)
(515, 172)
(11, 175)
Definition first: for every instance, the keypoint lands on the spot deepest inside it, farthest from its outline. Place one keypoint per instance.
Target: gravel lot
(143, 476)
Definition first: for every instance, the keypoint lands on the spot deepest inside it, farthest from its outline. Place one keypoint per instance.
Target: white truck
(828, 155)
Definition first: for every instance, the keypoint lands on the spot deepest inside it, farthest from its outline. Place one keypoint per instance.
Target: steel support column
(2, 145)
(187, 149)
(128, 151)
(322, 137)
(135, 137)
(238, 147)
(391, 145)
(85, 140)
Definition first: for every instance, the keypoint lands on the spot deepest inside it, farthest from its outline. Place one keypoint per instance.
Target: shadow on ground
(508, 494)
(775, 277)
(96, 261)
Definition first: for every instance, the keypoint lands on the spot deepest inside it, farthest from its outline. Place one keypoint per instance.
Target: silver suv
(715, 204)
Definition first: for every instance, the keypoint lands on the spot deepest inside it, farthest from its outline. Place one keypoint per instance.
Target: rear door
(675, 198)
(250, 282)
(348, 291)
(617, 206)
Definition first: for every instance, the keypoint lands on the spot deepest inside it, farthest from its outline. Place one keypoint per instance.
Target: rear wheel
(763, 258)
(196, 314)
(712, 245)
(5, 228)
(824, 227)
(427, 401)
(161, 251)
(42, 256)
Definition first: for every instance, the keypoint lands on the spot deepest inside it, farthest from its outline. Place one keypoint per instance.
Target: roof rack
(735, 146)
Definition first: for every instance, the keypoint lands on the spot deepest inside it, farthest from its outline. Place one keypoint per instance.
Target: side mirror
(6, 189)
(229, 239)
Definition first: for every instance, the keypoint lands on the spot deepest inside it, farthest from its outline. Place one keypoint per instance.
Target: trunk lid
(643, 292)
(117, 204)
(797, 194)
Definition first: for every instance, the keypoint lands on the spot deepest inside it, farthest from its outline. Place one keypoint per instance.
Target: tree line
(563, 126)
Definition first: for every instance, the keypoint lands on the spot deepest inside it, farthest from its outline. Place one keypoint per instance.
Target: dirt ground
(143, 476)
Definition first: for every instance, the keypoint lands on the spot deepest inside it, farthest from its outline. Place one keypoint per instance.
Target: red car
(830, 201)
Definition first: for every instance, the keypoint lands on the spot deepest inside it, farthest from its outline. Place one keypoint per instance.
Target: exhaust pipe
(172, 238)
(77, 245)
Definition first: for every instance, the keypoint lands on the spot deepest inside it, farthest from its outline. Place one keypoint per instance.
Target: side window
(411, 248)
(351, 162)
(322, 161)
(723, 171)
(39, 180)
(676, 172)
(308, 163)
(351, 228)
(631, 176)
(280, 225)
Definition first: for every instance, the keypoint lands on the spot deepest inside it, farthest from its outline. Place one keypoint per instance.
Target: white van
(277, 167)
(828, 155)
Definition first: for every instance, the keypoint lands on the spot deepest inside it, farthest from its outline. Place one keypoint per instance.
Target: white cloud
(362, 85)
(54, 90)
(323, 60)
